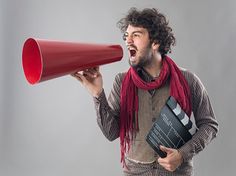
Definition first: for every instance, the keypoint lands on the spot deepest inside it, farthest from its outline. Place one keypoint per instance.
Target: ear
(155, 46)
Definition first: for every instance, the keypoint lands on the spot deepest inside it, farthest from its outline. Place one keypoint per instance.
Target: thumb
(166, 149)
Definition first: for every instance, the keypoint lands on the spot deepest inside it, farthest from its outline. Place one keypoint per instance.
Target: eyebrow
(138, 31)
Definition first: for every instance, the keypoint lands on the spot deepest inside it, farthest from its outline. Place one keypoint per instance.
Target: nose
(129, 40)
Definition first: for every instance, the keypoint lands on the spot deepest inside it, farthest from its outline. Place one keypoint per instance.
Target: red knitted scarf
(179, 89)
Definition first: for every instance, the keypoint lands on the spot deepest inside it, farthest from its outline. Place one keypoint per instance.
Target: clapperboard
(173, 128)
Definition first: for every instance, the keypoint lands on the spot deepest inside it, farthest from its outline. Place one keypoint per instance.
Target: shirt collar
(144, 75)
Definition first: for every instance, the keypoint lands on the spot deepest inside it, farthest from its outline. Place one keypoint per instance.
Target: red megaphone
(47, 59)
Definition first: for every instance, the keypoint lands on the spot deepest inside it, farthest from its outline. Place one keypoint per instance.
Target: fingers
(173, 159)
(167, 164)
(92, 72)
(96, 68)
(169, 167)
(78, 76)
(163, 161)
(166, 149)
(87, 73)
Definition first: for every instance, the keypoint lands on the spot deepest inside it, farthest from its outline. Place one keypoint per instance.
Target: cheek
(138, 43)
(142, 49)
(140, 46)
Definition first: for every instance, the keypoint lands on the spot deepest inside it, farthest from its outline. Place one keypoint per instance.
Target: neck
(155, 67)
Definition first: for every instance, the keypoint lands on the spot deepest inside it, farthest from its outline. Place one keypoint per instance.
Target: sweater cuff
(100, 98)
(187, 152)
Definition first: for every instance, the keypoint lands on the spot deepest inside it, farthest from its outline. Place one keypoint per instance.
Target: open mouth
(132, 52)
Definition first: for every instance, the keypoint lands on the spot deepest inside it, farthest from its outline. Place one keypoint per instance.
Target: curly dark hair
(156, 24)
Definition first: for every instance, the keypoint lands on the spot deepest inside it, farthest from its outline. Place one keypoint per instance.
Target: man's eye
(125, 37)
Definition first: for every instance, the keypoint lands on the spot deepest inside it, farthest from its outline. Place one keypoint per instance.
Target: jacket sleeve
(204, 119)
(108, 110)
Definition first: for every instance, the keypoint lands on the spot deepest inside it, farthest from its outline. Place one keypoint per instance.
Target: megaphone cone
(47, 59)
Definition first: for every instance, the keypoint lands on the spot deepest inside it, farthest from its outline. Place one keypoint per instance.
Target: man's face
(139, 46)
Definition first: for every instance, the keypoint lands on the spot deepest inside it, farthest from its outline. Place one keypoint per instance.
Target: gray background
(50, 129)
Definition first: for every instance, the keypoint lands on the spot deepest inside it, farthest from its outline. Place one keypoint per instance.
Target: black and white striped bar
(183, 117)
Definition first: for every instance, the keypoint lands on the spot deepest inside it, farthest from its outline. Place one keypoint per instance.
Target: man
(139, 94)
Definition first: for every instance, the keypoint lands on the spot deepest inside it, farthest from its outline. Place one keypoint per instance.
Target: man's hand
(173, 159)
(91, 79)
